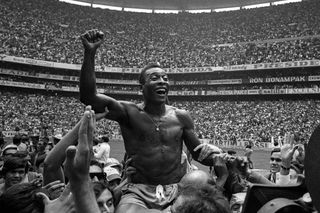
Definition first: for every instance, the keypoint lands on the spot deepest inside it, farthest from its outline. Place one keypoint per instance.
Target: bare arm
(77, 166)
(191, 140)
(54, 160)
(91, 40)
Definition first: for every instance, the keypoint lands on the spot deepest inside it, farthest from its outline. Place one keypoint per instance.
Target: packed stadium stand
(247, 65)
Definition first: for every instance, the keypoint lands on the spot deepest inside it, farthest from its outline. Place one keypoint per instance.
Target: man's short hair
(202, 198)
(275, 150)
(105, 139)
(142, 80)
(99, 187)
(17, 139)
(12, 163)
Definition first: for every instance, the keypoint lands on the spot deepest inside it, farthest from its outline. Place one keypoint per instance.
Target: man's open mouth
(161, 91)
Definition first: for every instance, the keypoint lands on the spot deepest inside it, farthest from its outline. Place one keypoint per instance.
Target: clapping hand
(78, 158)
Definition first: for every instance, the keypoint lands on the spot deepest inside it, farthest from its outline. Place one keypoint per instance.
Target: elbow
(87, 99)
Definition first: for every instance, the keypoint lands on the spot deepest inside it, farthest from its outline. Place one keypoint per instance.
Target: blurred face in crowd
(105, 202)
(275, 162)
(96, 173)
(156, 86)
(14, 176)
(114, 183)
(41, 146)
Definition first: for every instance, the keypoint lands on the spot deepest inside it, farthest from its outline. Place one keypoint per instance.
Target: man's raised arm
(91, 41)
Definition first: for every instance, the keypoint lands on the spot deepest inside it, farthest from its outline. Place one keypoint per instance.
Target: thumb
(44, 197)
(70, 154)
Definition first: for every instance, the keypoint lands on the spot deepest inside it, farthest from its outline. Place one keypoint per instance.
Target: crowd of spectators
(49, 30)
(257, 121)
(32, 177)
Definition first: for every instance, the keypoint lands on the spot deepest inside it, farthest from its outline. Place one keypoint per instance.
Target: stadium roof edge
(178, 4)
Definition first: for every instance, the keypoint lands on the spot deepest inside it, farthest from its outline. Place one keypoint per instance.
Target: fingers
(37, 182)
(52, 184)
(205, 152)
(92, 36)
(83, 133)
(57, 186)
(70, 155)
(198, 147)
(66, 192)
(44, 198)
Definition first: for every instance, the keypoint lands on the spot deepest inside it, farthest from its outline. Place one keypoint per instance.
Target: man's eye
(109, 203)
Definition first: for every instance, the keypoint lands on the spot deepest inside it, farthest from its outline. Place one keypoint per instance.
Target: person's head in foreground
(197, 177)
(104, 196)
(22, 198)
(203, 198)
(96, 172)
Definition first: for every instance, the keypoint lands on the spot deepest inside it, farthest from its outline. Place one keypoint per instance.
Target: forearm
(208, 161)
(56, 157)
(88, 78)
(85, 201)
(254, 177)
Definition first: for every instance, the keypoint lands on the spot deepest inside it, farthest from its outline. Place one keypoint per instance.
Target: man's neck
(155, 109)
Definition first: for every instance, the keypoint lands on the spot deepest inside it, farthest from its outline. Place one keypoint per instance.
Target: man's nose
(106, 209)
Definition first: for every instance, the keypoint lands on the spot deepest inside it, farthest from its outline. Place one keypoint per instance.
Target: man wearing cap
(113, 176)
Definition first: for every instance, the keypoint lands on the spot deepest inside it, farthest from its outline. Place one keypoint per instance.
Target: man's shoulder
(176, 110)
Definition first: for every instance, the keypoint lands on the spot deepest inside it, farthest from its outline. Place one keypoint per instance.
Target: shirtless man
(153, 133)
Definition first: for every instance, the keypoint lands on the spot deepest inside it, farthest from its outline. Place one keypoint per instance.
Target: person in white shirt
(102, 150)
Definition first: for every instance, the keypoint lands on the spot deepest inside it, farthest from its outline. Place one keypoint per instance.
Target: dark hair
(231, 152)
(14, 162)
(248, 146)
(149, 66)
(1, 141)
(22, 198)
(96, 163)
(202, 199)
(275, 150)
(96, 141)
(99, 187)
(105, 139)
(16, 140)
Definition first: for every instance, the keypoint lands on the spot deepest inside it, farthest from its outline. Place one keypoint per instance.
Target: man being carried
(153, 133)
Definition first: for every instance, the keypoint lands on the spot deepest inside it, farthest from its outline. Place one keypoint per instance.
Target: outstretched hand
(287, 150)
(92, 39)
(78, 158)
(239, 165)
(54, 189)
(63, 204)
